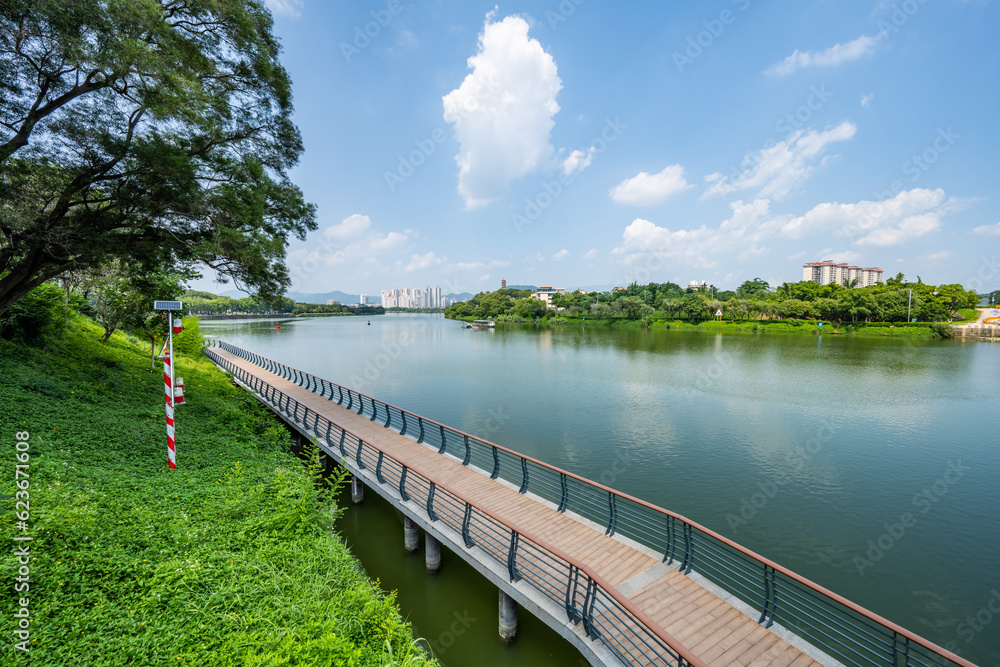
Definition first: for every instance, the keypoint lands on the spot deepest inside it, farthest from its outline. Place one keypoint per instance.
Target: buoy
(277, 327)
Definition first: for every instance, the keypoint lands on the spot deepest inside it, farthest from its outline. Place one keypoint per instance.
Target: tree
(756, 288)
(157, 131)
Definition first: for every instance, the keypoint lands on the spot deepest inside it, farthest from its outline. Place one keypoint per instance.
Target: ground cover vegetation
(228, 560)
(753, 306)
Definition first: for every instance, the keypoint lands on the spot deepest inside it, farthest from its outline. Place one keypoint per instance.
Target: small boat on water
(481, 324)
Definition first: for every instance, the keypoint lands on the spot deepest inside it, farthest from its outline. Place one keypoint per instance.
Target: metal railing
(607, 615)
(840, 628)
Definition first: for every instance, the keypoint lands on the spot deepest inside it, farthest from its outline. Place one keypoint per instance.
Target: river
(807, 449)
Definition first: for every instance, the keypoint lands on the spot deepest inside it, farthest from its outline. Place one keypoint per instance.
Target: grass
(228, 560)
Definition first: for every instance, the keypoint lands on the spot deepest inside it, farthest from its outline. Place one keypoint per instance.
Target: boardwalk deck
(710, 627)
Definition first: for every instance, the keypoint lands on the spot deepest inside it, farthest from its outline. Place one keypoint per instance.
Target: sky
(582, 143)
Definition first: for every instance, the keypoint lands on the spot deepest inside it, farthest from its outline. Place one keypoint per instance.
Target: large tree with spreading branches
(152, 131)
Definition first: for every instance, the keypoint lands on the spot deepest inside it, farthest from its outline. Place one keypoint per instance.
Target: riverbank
(228, 560)
(808, 327)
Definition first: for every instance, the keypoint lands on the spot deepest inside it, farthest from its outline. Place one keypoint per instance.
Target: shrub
(35, 316)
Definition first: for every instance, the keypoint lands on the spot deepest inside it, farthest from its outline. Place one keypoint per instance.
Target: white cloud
(503, 111)
(937, 256)
(835, 55)
(774, 172)
(348, 228)
(478, 266)
(423, 262)
(866, 100)
(290, 8)
(591, 254)
(561, 255)
(703, 247)
(797, 255)
(988, 230)
(909, 215)
(484, 278)
(577, 161)
(644, 189)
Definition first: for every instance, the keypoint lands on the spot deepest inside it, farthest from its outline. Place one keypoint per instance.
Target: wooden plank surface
(711, 628)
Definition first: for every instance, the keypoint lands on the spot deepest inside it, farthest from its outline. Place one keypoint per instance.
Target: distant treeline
(206, 303)
(891, 301)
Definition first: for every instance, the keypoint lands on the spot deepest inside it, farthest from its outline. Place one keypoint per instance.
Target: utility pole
(168, 376)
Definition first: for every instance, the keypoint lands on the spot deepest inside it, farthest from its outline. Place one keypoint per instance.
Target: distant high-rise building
(827, 272)
(437, 297)
(363, 299)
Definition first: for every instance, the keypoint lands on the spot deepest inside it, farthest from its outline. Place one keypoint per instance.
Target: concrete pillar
(357, 490)
(411, 535)
(432, 553)
(508, 617)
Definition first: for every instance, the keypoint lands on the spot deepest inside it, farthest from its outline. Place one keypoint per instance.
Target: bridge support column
(508, 617)
(357, 490)
(411, 535)
(432, 553)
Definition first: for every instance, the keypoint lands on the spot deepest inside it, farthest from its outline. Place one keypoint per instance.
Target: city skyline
(723, 142)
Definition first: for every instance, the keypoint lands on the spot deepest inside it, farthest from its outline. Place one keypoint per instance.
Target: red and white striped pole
(168, 388)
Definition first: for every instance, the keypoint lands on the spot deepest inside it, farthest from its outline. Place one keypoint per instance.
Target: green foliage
(228, 560)
(190, 340)
(155, 132)
(942, 330)
(35, 317)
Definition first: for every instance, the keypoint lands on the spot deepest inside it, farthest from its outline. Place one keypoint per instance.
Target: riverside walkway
(623, 580)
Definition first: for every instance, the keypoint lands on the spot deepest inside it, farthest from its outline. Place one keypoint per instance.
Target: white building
(828, 271)
(546, 292)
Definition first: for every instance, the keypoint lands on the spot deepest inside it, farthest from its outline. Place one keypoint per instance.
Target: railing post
(403, 414)
(468, 452)
(343, 434)
(770, 598)
(378, 468)
(444, 444)
(361, 404)
(466, 519)
(430, 503)
(357, 456)
(388, 415)
(402, 485)
(374, 410)
(564, 496)
(524, 475)
(350, 399)
(340, 395)
(515, 537)
(612, 514)
(588, 610)
(420, 421)
(496, 464)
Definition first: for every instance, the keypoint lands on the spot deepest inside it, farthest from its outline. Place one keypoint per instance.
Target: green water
(801, 448)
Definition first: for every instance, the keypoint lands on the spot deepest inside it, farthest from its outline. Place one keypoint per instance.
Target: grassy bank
(229, 560)
(809, 327)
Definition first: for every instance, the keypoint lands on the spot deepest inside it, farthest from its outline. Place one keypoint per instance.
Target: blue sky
(591, 143)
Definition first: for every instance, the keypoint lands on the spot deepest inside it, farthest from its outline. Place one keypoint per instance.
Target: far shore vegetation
(884, 309)
(206, 303)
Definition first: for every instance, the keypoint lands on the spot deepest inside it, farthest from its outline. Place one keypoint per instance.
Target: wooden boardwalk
(709, 627)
